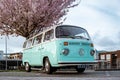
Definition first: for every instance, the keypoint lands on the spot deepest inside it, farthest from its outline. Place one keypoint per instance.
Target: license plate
(83, 66)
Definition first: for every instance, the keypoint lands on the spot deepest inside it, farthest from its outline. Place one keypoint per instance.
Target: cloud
(14, 44)
(16, 41)
(90, 18)
(111, 5)
(101, 18)
(119, 35)
(108, 43)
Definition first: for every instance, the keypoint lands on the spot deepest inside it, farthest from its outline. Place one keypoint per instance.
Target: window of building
(108, 57)
(49, 35)
(102, 57)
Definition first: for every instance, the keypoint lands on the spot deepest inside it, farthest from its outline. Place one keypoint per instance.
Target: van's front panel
(74, 46)
(77, 51)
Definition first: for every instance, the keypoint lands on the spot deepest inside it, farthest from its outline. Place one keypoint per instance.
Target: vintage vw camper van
(59, 47)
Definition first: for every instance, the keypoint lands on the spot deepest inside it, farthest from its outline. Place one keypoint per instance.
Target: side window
(49, 35)
(37, 39)
(24, 45)
(29, 43)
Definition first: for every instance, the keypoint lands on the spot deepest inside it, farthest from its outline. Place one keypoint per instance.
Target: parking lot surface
(61, 75)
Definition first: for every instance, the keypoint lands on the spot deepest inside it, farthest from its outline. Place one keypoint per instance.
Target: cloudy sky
(101, 18)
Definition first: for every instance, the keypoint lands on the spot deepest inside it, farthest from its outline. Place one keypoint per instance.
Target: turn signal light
(65, 43)
(91, 45)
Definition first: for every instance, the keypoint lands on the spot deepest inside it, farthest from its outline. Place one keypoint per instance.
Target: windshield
(66, 31)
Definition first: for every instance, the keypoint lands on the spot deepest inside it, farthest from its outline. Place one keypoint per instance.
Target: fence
(10, 64)
(13, 64)
(108, 65)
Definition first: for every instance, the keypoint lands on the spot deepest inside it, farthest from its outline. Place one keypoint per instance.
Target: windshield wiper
(66, 36)
(73, 37)
(81, 37)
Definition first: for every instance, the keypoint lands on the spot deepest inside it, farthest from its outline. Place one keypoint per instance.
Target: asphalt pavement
(61, 75)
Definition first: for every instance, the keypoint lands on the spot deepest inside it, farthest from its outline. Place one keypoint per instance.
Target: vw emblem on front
(81, 52)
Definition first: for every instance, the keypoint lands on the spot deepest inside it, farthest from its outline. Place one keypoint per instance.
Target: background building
(17, 55)
(109, 60)
(10, 61)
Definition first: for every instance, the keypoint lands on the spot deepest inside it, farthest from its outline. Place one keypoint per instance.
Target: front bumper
(77, 63)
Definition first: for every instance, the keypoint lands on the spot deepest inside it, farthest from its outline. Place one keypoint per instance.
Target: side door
(48, 45)
(36, 53)
(27, 51)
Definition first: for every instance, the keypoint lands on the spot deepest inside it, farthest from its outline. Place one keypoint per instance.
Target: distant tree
(28, 17)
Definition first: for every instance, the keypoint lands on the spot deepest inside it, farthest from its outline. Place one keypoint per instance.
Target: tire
(47, 66)
(27, 67)
(80, 70)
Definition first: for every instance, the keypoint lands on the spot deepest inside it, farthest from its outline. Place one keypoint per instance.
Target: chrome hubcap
(27, 66)
(46, 66)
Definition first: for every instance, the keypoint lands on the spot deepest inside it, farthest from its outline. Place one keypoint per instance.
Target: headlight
(92, 52)
(65, 52)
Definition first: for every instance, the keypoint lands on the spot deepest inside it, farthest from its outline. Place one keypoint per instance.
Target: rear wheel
(80, 70)
(27, 67)
(47, 66)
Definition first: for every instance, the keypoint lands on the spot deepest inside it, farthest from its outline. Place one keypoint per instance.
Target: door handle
(30, 48)
(41, 48)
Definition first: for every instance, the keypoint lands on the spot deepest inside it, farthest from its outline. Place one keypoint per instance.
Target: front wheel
(80, 70)
(47, 66)
(27, 67)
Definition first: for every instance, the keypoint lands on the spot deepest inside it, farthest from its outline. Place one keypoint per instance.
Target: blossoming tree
(28, 17)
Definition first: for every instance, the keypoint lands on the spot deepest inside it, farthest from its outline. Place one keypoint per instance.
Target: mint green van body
(57, 47)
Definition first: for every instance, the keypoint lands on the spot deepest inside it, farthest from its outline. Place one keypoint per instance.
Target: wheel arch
(48, 59)
(44, 59)
(26, 61)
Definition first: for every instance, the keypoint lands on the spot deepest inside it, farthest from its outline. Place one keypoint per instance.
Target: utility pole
(6, 50)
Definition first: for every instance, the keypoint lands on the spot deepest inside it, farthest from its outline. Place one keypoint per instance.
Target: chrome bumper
(77, 63)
